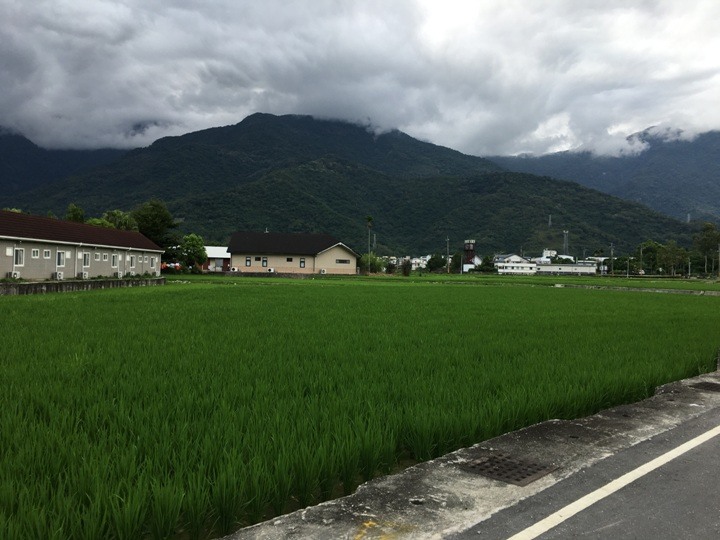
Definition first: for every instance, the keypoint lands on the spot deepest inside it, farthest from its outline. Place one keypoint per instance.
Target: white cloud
(485, 77)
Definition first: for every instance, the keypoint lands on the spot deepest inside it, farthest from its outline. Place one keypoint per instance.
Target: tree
(371, 263)
(75, 213)
(192, 251)
(100, 222)
(436, 262)
(647, 254)
(121, 220)
(455, 262)
(707, 242)
(486, 265)
(671, 256)
(155, 222)
(406, 267)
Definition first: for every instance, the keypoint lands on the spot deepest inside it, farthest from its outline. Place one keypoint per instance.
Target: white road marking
(581, 504)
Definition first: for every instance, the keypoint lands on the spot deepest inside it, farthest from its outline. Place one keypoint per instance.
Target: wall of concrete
(43, 287)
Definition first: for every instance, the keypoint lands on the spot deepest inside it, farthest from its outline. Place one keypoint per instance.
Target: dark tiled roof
(282, 243)
(18, 225)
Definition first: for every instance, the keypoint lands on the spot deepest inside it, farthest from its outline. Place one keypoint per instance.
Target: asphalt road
(678, 499)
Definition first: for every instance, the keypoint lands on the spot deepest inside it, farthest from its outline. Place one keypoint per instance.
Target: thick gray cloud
(484, 77)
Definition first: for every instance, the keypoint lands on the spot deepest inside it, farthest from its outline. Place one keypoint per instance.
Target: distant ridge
(24, 165)
(672, 175)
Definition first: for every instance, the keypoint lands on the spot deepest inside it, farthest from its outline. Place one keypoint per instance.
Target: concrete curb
(437, 498)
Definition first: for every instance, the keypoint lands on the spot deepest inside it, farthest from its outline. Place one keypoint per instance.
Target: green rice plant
(328, 474)
(370, 438)
(228, 494)
(128, 510)
(167, 500)
(196, 504)
(89, 521)
(283, 480)
(260, 486)
(36, 522)
(306, 472)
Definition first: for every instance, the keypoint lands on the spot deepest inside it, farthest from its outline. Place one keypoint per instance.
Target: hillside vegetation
(296, 173)
(24, 165)
(675, 177)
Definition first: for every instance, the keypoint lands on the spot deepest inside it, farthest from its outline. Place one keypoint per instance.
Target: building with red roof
(40, 248)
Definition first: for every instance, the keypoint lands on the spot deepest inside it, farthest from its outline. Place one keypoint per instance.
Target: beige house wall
(276, 263)
(336, 260)
(95, 260)
(293, 264)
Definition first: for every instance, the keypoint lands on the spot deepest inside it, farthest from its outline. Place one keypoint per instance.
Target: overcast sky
(484, 77)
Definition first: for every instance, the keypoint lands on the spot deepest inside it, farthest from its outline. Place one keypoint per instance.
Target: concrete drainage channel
(452, 493)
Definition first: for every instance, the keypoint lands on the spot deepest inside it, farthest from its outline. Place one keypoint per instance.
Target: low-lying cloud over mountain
(490, 77)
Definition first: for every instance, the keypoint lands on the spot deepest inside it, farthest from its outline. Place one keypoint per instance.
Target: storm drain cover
(707, 385)
(506, 469)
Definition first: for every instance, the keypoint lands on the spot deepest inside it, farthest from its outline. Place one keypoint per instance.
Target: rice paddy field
(193, 409)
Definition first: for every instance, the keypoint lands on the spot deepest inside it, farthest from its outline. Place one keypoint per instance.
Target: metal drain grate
(707, 385)
(506, 469)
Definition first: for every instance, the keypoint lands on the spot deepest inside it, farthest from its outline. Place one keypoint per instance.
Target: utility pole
(447, 253)
(641, 261)
(369, 226)
(612, 256)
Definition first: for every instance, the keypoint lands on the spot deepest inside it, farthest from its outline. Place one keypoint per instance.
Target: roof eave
(66, 243)
(336, 245)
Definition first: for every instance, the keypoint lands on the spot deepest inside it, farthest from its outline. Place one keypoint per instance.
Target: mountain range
(24, 165)
(297, 173)
(673, 175)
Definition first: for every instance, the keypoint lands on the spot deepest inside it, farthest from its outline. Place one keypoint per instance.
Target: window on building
(152, 262)
(132, 261)
(289, 259)
(248, 261)
(302, 262)
(342, 261)
(105, 257)
(257, 259)
(35, 253)
(114, 260)
(19, 256)
(86, 260)
(97, 256)
(46, 254)
(60, 258)
(264, 262)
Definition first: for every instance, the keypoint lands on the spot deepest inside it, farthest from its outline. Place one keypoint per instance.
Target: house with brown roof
(40, 248)
(290, 253)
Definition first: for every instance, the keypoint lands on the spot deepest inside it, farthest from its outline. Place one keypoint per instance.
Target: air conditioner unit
(323, 271)
(132, 272)
(82, 275)
(271, 270)
(13, 275)
(118, 274)
(58, 276)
